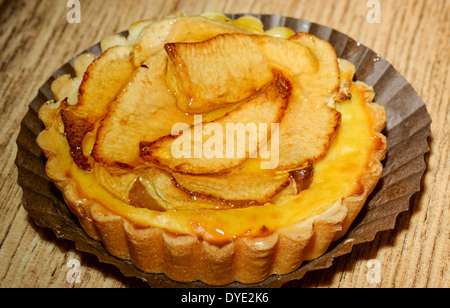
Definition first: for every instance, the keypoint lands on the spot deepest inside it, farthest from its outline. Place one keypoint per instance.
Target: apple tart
(209, 149)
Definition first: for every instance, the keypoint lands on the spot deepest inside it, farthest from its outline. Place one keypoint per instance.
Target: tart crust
(190, 257)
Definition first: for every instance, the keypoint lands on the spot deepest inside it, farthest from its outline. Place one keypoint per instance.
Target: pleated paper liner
(407, 131)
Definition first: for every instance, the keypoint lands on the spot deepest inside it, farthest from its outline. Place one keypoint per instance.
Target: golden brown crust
(187, 258)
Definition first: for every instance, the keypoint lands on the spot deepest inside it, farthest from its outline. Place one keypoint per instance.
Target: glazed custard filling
(137, 189)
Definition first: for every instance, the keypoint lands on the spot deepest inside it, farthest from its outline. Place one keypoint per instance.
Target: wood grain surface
(413, 35)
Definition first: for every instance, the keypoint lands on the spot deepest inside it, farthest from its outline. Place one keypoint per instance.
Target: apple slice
(230, 67)
(242, 187)
(102, 80)
(75, 129)
(177, 29)
(255, 188)
(144, 110)
(265, 107)
(327, 78)
(310, 122)
(157, 188)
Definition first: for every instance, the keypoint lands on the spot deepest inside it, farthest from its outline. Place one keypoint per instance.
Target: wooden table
(413, 35)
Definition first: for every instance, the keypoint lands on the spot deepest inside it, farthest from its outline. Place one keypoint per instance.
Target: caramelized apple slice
(327, 78)
(102, 80)
(163, 189)
(144, 110)
(179, 29)
(75, 129)
(238, 189)
(306, 131)
(264, 108)
(230, 67)
(310, 122)
(256, 187)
